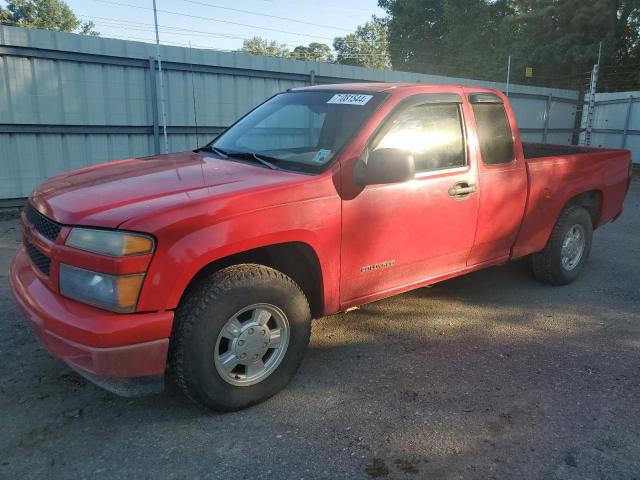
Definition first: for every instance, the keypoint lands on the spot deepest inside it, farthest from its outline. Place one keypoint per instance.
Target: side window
(494, 133)
(431, 132)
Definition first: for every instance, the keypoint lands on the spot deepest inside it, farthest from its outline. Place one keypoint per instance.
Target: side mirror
(385, 165)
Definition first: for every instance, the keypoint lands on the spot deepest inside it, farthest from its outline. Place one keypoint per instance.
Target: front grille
(39, 259)
(47, 228)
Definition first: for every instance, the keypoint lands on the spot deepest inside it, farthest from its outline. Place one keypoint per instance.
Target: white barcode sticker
(350, 99)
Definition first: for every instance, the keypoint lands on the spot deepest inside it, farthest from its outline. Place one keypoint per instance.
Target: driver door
(398, 235)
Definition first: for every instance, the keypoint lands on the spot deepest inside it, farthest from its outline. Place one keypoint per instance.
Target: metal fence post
(577, 119)
(626, 121)
(153, 94)
(547, 112)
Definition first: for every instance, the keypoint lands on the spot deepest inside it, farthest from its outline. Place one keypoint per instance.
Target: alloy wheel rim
(573, 247)
(251, 344)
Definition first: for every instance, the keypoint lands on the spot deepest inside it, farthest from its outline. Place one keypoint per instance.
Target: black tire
(199, 321)
(547, 264)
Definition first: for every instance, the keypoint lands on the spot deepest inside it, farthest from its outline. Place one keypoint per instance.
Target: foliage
(473, 38)
(448, 37)
(44, 14)
(316, 52)
(367, 47)
(264, 47)
(5, 17)
(568, 34)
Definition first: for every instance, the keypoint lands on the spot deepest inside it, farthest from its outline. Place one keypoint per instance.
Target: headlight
(118, 293)
(110, 242)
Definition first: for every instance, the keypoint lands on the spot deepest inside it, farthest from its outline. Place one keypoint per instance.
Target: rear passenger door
(400, 234)
(502, 178)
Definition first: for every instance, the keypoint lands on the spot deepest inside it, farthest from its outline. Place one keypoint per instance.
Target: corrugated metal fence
(67, 101)
(616, 122)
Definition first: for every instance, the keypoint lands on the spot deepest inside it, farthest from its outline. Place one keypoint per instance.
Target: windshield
(300, 131)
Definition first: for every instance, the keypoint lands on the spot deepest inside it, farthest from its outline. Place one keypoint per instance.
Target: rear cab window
(494, 131)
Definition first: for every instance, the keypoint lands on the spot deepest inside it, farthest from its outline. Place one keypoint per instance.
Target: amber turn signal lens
(118, 293)
(136, 245)
(110, 242)
(127, 290)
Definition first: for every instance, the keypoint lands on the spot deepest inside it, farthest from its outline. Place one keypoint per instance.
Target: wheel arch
(539, 222)
(298, 260)
(591, 200)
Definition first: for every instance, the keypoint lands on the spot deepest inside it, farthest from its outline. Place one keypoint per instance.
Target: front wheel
(567, 250)
(239, 337)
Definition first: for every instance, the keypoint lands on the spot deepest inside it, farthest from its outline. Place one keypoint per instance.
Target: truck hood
(109, 194)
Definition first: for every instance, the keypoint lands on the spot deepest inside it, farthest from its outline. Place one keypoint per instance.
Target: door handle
(462, 190)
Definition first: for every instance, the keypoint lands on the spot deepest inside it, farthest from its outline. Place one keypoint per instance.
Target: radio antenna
(164, 111)
(193, 95)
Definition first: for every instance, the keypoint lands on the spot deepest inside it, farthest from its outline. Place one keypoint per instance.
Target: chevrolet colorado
(208, 265)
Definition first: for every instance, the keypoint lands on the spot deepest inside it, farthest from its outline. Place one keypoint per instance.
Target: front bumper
(95, 342)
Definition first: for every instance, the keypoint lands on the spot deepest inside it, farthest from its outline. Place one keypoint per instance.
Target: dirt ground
(491, 375)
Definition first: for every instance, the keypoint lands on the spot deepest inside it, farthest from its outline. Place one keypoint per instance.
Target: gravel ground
(490, 375)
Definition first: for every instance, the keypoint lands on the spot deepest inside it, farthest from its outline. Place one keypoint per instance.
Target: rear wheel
(567, 250)
(239, 337)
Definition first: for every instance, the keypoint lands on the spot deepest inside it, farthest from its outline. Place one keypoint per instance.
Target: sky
(218, 24)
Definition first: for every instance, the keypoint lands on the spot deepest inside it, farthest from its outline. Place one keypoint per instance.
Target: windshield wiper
(221, 153)
(258, 157)
(264, 161)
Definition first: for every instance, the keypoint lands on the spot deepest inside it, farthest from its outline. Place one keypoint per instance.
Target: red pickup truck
(209, 265)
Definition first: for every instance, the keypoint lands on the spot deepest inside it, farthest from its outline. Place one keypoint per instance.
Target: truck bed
(557, 174)
(539, 150)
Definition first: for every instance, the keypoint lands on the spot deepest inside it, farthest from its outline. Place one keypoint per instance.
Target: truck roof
(376, 87)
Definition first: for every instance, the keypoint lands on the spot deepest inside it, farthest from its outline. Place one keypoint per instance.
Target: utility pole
(162, 105)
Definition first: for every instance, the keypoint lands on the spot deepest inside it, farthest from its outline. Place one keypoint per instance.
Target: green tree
(568, 34)
(367, 47)
(449, 37)
(316, 52)
(5, 17)
(264, 47)
(44, 14)
(414, 27)
(476, 40)
(473, 38)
